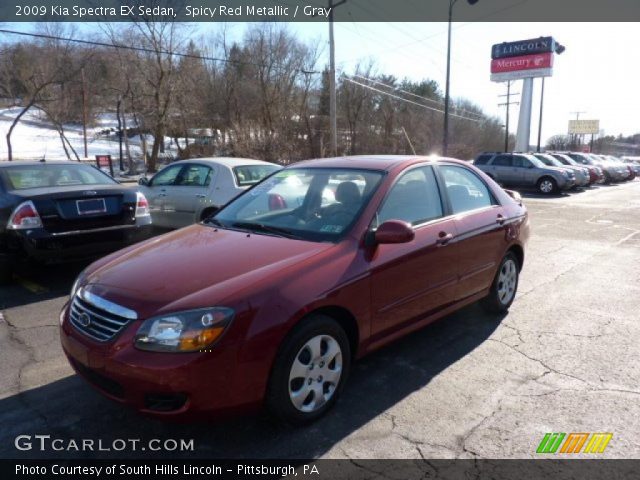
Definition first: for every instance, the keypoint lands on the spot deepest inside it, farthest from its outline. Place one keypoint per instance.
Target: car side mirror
(144, 181)
(394, 231)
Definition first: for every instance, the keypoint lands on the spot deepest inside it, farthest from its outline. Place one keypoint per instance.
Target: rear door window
(502, 161)
(483, 159)
(466, 191)
(194, 175)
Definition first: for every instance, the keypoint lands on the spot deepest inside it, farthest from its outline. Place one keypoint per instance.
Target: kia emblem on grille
(84, 319)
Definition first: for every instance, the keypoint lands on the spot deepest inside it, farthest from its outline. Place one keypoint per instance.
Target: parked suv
(582, 173)
(520, 169)
(612, 173)
(596, 175)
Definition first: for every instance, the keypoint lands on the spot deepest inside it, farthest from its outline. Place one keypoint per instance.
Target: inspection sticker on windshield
(331, 228)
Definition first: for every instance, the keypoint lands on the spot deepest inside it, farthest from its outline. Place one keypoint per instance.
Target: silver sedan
(188, 191)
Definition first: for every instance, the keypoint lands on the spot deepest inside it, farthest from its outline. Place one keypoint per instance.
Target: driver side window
(414, 198)
(167, 176)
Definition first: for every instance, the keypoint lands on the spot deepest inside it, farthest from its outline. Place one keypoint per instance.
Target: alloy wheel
(315, 373)
(546, 186)
(507, 281)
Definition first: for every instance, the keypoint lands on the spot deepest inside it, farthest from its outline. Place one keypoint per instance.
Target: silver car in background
(582, 173)
(189, 191)
(523, 170)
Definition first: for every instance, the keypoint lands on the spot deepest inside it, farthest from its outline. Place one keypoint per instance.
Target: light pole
(445, 137)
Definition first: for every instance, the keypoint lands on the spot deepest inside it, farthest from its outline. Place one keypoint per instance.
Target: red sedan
(270, 301)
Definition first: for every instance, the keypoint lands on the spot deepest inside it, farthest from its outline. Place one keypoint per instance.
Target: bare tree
(33, 74)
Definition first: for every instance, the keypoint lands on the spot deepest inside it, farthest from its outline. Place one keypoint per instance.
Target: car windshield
(565, 160)
(21, 177)
(252, 174)
(316, 204)
(549, 160)
(535, 161)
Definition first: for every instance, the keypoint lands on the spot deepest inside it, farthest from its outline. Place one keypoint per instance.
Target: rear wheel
(310, 371)
(547, 185)
(504, 287)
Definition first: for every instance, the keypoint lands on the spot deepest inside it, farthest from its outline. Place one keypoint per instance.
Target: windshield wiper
(213, 221)
(260, 227)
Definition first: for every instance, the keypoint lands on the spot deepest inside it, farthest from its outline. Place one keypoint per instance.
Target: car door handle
(200, 195)
(443, 239)
(162, 194)
(500, 219)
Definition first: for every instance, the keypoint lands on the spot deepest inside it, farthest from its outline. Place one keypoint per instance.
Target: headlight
(565, 173)
(187, 331)
(77, 283)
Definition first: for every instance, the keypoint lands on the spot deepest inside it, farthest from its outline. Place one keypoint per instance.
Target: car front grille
(95, 322)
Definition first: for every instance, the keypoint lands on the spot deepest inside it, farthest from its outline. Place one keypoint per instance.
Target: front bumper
(568, 184)
(44, 247)
(167, 385)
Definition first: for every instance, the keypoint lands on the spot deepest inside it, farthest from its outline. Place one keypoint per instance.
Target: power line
(409, 101)
(437, 102)
(423, 39)
(149, 50)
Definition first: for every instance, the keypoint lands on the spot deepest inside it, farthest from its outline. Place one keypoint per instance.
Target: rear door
(479, 221)
(413, 279)
(188, 194)
(503, 169)
(527, 172)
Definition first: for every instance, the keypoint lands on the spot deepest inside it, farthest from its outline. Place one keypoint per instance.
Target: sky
(597, 75)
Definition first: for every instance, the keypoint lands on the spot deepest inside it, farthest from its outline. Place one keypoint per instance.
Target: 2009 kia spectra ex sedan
(269, 303)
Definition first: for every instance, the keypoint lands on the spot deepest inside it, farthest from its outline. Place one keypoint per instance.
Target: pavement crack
(540, 362)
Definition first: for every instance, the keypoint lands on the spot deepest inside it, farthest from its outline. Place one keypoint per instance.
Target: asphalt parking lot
(565, 359)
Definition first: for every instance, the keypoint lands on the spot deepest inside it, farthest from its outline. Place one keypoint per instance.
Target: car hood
(194, 267)
(558, 169)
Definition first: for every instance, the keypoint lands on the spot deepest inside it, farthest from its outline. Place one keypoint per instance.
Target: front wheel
(504, 287)
(547, 185)
(310, 371)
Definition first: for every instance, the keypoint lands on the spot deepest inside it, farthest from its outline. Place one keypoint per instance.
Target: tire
(547, 185)
(6, 273)
(293, 376)
(503, 290)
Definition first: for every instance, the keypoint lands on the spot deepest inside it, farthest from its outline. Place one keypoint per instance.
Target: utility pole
(507, 105)
(540, 121)
(332, 81)
(84, 112)
(447, 94)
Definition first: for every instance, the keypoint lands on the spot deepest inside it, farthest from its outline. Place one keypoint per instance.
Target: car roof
(226, 161)
(371, 162)
(30, 163)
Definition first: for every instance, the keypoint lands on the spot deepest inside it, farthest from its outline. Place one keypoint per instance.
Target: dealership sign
(584, 127)
(523, 59)
(523, 47)
(525, 62)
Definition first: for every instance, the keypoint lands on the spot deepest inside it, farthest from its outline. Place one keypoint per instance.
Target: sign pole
(541, 111)
(506, 133)
(524, 121)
